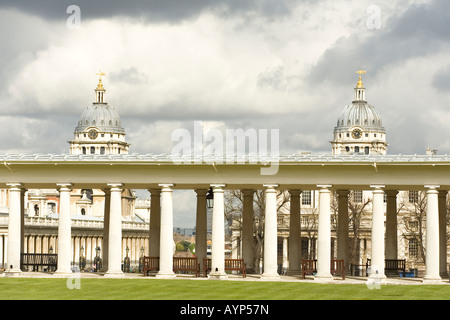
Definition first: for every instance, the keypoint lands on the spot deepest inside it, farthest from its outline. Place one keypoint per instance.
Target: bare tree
(234, 200)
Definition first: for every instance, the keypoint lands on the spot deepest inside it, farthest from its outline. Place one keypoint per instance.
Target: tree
(234, 200)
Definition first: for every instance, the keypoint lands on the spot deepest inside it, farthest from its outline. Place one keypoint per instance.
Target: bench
(336, 267)
(230, 265)
(186, 265)
(391, 265)
(36, 260)
(150, 264)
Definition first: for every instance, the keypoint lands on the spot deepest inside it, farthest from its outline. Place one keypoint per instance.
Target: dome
(101, 116)
(360, 114)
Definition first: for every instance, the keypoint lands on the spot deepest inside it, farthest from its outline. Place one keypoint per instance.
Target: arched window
(83, 211)
(92, 150)
(102, 150)
(356, 149)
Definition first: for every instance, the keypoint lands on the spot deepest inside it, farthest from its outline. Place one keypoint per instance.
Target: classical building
(330, 183)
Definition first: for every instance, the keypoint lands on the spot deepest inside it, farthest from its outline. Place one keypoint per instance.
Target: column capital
(248, 192)
(324, 186)
(64, 186)
(432, 187)
(154, 191)
(117, 185)
(342, 193)
(377, 186)
(16, 186)
(295, 193)
(201, 192)
(270, 186)
(391, 193)
(218, 187)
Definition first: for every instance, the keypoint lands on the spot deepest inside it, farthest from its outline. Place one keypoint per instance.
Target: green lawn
(155, 289)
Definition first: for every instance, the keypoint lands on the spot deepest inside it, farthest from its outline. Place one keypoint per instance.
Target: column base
(217, 275)
(270, 277)
(323, 277)
(432, 280)
(13, 273)
(114, 274)
(165, 275)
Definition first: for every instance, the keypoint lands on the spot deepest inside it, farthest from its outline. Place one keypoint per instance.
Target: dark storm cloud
(149, 10)
(421, 30)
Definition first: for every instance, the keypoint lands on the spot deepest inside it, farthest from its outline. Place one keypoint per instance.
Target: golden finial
(360, 84)
(100, 84)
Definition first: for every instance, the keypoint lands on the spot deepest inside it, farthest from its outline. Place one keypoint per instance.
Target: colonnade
(384, 243)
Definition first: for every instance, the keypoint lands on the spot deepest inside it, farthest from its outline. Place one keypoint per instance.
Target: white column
(218, 234)
(324, 235)
(14, 230)
(295, 237)
(64, 231)
(115, 232)
(285, 265)
(377, 263)
(270, 235)
(166, 236)
(432, 237)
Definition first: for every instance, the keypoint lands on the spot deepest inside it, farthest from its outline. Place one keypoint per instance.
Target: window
(92, 150)
(84, 150)
(413, 196)
(413, 248)
(306, 198)
(347, 149)
(83, 211)
(358, 196)
(102, 150)
(366, 150)
(356, 149)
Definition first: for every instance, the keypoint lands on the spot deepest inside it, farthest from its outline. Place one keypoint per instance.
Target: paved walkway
(250, 277)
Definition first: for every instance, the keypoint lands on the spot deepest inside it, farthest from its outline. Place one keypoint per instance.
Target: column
(64, 231)
(14, 230)
(342, 228)
(115, 232)
(248, 244)
(432, 236)
(270, 235)
(443, 232)
(166, 236)
(391, 224)
(218, 234)
(295, 236)
(155, 222)
(377, 263)
(200, 226)
(285, 264)
(324, 234)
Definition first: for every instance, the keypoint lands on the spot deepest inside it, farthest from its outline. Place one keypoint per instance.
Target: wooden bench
(391, 265)
(37, 260)
(336, 267)
(186, 265)
(150, 264)
(230, 265)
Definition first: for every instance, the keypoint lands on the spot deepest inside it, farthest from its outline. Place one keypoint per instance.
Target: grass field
(155, 289)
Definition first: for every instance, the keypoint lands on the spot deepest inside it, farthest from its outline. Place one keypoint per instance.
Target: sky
(236, 64)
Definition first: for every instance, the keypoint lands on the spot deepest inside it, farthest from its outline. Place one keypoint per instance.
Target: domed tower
(359, 128)
(99, 130)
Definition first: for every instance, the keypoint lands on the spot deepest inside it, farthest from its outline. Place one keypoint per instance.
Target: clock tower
(359, 128)
(99, 130)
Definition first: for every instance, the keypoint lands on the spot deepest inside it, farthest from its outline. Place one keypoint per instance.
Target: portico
(159, 174)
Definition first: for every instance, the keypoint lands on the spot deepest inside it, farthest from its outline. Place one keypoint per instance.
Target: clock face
(93, 134)
(356, 134)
